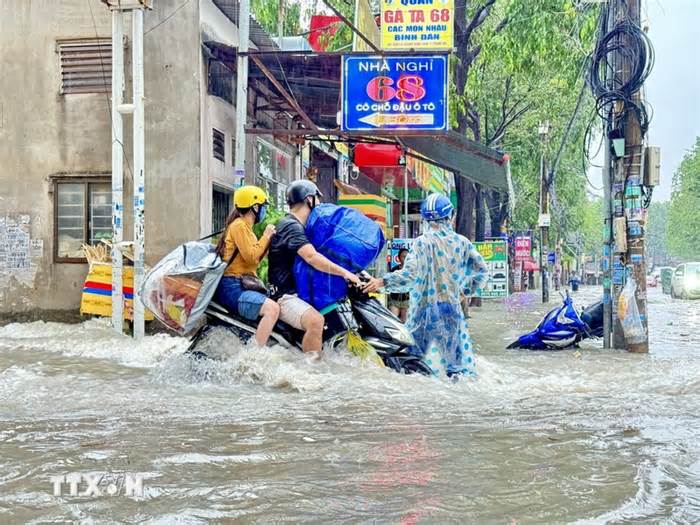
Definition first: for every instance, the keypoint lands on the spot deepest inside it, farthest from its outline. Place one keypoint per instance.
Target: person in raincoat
(441, 266)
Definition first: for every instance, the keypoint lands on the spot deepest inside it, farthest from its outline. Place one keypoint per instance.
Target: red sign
(523, 246)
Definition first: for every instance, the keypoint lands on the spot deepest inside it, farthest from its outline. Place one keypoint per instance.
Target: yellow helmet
(247, 196)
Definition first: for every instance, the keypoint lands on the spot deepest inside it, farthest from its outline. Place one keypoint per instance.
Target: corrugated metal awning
(258, 35)
(458, 154)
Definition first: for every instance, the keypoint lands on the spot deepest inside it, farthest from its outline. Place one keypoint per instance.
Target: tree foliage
(266, 12)
(683, 227)
(657, 219)
(516, 63)
(520, 62)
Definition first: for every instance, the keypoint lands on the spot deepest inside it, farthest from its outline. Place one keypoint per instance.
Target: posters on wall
(495, 254)
(394, 247)
(18, 251)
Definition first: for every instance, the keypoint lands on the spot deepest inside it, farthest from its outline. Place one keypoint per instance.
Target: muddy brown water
(592, 436)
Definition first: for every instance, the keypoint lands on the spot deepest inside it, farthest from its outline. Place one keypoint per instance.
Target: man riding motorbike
(440, 267)
(291, 240)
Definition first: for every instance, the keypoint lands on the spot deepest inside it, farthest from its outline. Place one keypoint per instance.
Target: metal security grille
(220, 208)
(219, 148)
(221, 81)
(86, 65)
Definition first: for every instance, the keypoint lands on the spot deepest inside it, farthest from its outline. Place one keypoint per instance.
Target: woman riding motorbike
(243, 251)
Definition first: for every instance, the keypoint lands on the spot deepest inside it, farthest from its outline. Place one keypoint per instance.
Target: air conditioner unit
(125, 5)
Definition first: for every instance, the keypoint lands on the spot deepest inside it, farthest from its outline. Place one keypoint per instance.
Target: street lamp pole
(543, 131)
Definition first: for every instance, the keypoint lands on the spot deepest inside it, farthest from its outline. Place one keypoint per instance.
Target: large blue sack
(347, 238)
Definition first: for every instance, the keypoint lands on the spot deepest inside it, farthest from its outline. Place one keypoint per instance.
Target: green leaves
(683, 227)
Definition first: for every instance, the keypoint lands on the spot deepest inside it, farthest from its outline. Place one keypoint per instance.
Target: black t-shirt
(286, 242)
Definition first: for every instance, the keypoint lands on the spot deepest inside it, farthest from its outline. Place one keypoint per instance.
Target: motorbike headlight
(400, 334)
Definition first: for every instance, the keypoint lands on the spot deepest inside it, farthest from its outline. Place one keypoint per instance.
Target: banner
(417, 24)
(429, 177)
(394, 92)
(495, 254)
(523, 246)
(372, 206)
(367, 24)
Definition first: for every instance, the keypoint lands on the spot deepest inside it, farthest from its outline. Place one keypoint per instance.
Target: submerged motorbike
(563, 327)
(358, 313)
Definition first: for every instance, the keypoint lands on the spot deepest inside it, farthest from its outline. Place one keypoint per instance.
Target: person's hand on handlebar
(373, 285)
(353, 279)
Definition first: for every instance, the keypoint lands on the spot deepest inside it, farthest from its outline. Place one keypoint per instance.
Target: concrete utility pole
(139, 144)
(119, 108)
(117, 168)
(626, 191)
(632, 173)
(280, 22)
(544, 129)
(242, 89)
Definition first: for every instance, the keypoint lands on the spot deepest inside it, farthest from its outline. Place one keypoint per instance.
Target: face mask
(262, 213)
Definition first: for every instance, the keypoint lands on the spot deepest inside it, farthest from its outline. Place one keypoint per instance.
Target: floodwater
(588, 436)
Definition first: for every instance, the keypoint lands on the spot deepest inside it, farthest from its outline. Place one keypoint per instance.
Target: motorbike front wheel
(416, 366)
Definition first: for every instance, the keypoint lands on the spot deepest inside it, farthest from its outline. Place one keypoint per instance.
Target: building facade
(55, 138)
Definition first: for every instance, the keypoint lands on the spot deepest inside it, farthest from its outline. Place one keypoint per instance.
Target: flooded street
(591, 436)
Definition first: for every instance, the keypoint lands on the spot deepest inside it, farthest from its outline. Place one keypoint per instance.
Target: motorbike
(357, 313)
(563, 327)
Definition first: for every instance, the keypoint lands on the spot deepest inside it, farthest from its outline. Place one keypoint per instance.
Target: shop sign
(397, 93)
(495, 254)
(417, 24)
(523, 247)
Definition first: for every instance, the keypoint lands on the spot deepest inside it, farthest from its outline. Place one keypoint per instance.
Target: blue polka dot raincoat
(441, 266)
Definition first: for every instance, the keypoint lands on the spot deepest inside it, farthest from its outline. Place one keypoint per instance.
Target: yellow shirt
(250, 250)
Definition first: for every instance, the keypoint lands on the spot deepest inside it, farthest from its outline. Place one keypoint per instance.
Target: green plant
(274, 214)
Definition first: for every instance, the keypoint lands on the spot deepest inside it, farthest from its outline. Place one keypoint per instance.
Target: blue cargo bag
(347, 238)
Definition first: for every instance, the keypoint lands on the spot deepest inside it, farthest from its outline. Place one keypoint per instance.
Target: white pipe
(139, 164)
(125, 109)
(242, 89)
(117, 169)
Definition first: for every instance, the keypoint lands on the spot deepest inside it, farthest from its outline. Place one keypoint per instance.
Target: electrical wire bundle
(629, 44)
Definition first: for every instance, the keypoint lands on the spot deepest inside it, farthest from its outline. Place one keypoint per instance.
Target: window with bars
(221, 81)
(274, 171)
(82, 215)
(220, 208)
(86, 65)
(218, 145)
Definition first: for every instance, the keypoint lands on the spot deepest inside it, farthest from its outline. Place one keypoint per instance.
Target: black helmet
(300, 189)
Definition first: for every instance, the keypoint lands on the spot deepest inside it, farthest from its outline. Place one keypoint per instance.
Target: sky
(673, 88)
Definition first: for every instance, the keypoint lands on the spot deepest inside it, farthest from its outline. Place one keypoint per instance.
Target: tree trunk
(465, 206)
(480, 233)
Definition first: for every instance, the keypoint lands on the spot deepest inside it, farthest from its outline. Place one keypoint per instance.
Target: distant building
(55, 138)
